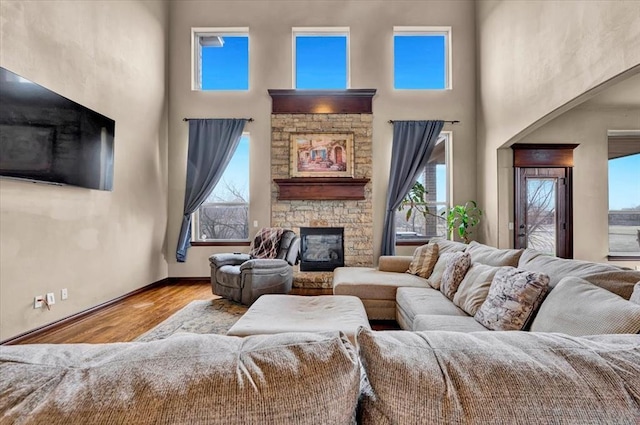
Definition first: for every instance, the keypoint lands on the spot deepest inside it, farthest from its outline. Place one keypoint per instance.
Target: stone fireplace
(342, 202)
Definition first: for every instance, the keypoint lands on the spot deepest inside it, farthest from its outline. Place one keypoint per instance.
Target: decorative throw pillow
(454, 273)
(424, 258)
(436, 276)
(635, 296)
(513, 298)
(266, 243)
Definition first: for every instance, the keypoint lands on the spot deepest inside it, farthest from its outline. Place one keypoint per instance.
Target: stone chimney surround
(324, 201)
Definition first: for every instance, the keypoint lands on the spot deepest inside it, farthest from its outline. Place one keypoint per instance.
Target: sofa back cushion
(620, 282)
(493, 256)
(424, 258)
(436, 276)
(445, 245)
(577, 307)
(612, 278)
(514, 297)
(474, 288)
(187, 379)
(499, 377)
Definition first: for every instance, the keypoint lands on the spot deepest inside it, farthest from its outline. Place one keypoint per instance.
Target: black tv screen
(45, 137)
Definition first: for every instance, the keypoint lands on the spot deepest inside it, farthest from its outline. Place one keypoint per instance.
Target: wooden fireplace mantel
(321, 188)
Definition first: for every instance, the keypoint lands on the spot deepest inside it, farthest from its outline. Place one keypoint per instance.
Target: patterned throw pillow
(635, 297)
(454, 273)
(424, 258)
(266, 243)
(514, 296)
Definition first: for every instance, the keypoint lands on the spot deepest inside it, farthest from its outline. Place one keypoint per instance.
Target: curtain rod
(187, 119)
(450, 122)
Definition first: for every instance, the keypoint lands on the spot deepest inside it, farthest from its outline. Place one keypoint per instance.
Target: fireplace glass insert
(321, 248)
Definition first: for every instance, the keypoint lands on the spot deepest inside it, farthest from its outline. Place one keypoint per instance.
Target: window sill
(412, 242)
(633, 257)
(221, 243)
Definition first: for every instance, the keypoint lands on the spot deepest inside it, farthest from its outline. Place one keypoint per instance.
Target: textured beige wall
(109, 56)
(371, 23)
(588, 127)
(534, 59)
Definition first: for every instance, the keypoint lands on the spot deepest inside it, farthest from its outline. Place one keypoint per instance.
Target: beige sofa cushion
(431, 322)
(620, 282)
(187, 379)
(411, 302)
(424, 258)
(438, 270)
(499, 378)
(372, 284)
(454, 273)
(491, 256)
(576, 307)
(474, 287)
(394, 263)
(608, 276)
(514, 297)
(445, 245)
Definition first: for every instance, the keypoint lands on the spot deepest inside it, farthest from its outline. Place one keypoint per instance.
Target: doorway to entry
(543, 209)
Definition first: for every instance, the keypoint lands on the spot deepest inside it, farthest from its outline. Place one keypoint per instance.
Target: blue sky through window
(226, 67)
(235, 177)
(624, 182)
(419, 62)
(321, 62)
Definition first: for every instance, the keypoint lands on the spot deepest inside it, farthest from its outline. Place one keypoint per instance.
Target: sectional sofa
(394, 377)
(582, 298)
(437, 376)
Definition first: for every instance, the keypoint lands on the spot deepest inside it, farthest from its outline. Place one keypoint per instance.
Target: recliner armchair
(243, 279)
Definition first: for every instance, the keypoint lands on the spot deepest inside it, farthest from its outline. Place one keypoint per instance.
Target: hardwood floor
(133, 316)
(129, 318)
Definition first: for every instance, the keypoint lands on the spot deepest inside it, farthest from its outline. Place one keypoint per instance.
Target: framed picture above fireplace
(321, 155)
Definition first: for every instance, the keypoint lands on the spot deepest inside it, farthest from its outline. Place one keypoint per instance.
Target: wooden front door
(543, 209)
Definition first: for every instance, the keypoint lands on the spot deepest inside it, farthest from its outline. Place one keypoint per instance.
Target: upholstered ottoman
(272, 314)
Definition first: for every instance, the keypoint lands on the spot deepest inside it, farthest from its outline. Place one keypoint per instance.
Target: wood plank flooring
(133, 316)
(129, 318)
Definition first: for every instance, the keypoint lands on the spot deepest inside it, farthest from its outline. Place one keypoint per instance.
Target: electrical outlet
(64, 294)
(37, 301)
(51, 299)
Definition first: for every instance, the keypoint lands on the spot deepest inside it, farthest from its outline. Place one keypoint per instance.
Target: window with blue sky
(224, 215)
(624, 197)
(221, 59)
(321, 58)
(421, 58)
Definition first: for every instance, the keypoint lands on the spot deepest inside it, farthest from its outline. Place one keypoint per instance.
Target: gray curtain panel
(212, 143)
(413, 142)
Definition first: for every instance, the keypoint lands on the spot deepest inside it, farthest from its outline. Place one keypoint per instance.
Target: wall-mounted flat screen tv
(45, 137)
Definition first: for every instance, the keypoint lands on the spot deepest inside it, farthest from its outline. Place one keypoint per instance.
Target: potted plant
(461, 218)
(415, 200)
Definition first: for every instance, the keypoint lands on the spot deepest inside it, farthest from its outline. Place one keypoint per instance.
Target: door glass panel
(541, 214)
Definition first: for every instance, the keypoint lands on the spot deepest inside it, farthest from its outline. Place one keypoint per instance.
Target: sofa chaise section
(375, 287)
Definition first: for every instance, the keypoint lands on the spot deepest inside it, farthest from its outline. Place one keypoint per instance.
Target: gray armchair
(243, 279)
